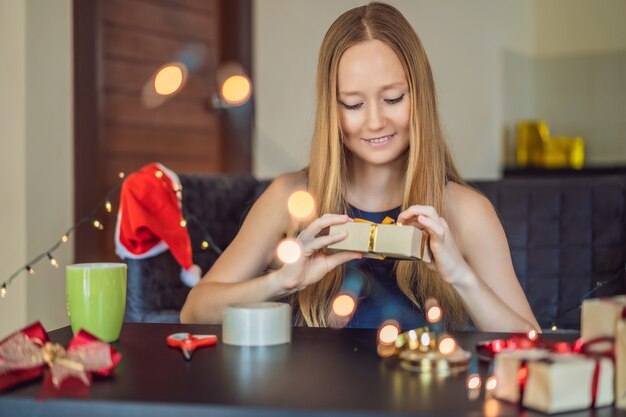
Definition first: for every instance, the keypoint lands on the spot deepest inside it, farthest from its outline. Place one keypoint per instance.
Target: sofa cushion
(567, 236)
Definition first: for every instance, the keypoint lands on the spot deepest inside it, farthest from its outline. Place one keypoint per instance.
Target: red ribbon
(579, 348)
(593, 348)
(28, 353)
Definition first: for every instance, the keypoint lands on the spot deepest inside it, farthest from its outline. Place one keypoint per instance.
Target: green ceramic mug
(96, 298)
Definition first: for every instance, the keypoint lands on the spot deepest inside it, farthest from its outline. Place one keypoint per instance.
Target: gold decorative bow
(20, 352)
(373, 231)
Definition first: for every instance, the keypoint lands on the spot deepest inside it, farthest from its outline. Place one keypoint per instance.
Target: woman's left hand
(448, 261)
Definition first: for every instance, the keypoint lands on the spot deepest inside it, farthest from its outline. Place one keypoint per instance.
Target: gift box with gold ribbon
(554, 382)
(383, 240)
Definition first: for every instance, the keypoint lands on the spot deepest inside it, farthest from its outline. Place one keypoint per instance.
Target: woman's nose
(375, 118)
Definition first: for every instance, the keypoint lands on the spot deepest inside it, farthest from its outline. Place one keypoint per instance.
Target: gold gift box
(381, 241)
(536, 147)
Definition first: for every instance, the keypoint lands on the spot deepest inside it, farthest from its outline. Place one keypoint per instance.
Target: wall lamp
(231, 85)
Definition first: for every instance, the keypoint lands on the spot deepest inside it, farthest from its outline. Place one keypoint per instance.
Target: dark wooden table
(322, 372)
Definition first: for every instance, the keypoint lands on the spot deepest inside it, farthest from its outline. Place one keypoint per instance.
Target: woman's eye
(352, 107)
(394, 100)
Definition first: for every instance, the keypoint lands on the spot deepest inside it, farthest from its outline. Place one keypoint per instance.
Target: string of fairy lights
(234, 89)
(301, 207)
(93, 219)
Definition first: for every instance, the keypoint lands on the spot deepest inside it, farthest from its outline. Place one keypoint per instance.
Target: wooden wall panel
(131, 39)
(184, 114)
(140, 46)
(181, 23)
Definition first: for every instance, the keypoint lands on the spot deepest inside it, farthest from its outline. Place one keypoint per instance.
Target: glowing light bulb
(554, 328)
(301, 204)
(3, 291)
(65, 238)
(108, 207)
(183, 223)
(344, 305)
(491, 383)
(532, 335)
(30, 270)
(205, 244)
(98, 225)
(121, 175)
(53, 261)
(158, 174)
(168, 80)
(236, 90)
(447, 344)
(473, 382)
(289, 251)
(388, 332)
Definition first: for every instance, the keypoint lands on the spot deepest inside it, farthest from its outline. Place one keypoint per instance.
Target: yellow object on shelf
(535, 147)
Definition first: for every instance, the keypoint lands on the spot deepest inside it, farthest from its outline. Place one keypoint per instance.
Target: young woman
(377, 150)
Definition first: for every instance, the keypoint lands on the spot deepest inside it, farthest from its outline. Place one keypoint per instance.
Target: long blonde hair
(429, 165)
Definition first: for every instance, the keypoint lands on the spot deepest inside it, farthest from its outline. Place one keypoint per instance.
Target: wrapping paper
(599, 317)
(383, 240)
(552, 382)
(620, 362)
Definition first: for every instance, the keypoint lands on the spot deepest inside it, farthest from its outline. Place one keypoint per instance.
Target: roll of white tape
(257, 324)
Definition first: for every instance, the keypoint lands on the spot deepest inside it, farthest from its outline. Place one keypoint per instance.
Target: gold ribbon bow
(20, 352)
(373, 232)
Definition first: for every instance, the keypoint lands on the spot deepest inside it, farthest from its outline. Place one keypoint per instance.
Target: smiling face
(374, 104)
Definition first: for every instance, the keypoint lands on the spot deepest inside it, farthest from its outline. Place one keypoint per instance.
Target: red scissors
(188, 342)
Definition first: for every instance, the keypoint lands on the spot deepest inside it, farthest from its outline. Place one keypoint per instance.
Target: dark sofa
(567, 238)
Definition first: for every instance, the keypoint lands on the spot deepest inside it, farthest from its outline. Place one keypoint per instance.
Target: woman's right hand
(313, 263)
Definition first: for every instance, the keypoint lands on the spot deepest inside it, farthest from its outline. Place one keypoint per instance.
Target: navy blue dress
(380, 297)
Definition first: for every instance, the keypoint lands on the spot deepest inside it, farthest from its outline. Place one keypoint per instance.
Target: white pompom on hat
(150, 220)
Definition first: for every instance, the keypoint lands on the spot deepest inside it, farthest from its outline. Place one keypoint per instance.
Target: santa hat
(150, 220)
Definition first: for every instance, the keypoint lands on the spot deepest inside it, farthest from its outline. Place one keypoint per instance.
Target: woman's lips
(379, 141)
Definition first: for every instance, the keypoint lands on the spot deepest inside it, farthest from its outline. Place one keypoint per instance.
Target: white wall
(580, 74)
(576, 27)
(36, 161)
(49, 152)
(12, 160)
(464, 41)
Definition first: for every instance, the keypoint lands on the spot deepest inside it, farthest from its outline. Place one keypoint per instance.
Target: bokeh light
(532, 335)
(491, 383)
(300, 204)
(344, 305)
(236, 90)
(434, 314)
(473, 382)
(288, 251)
(447, 345)
(388, 332)
(169, 79)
